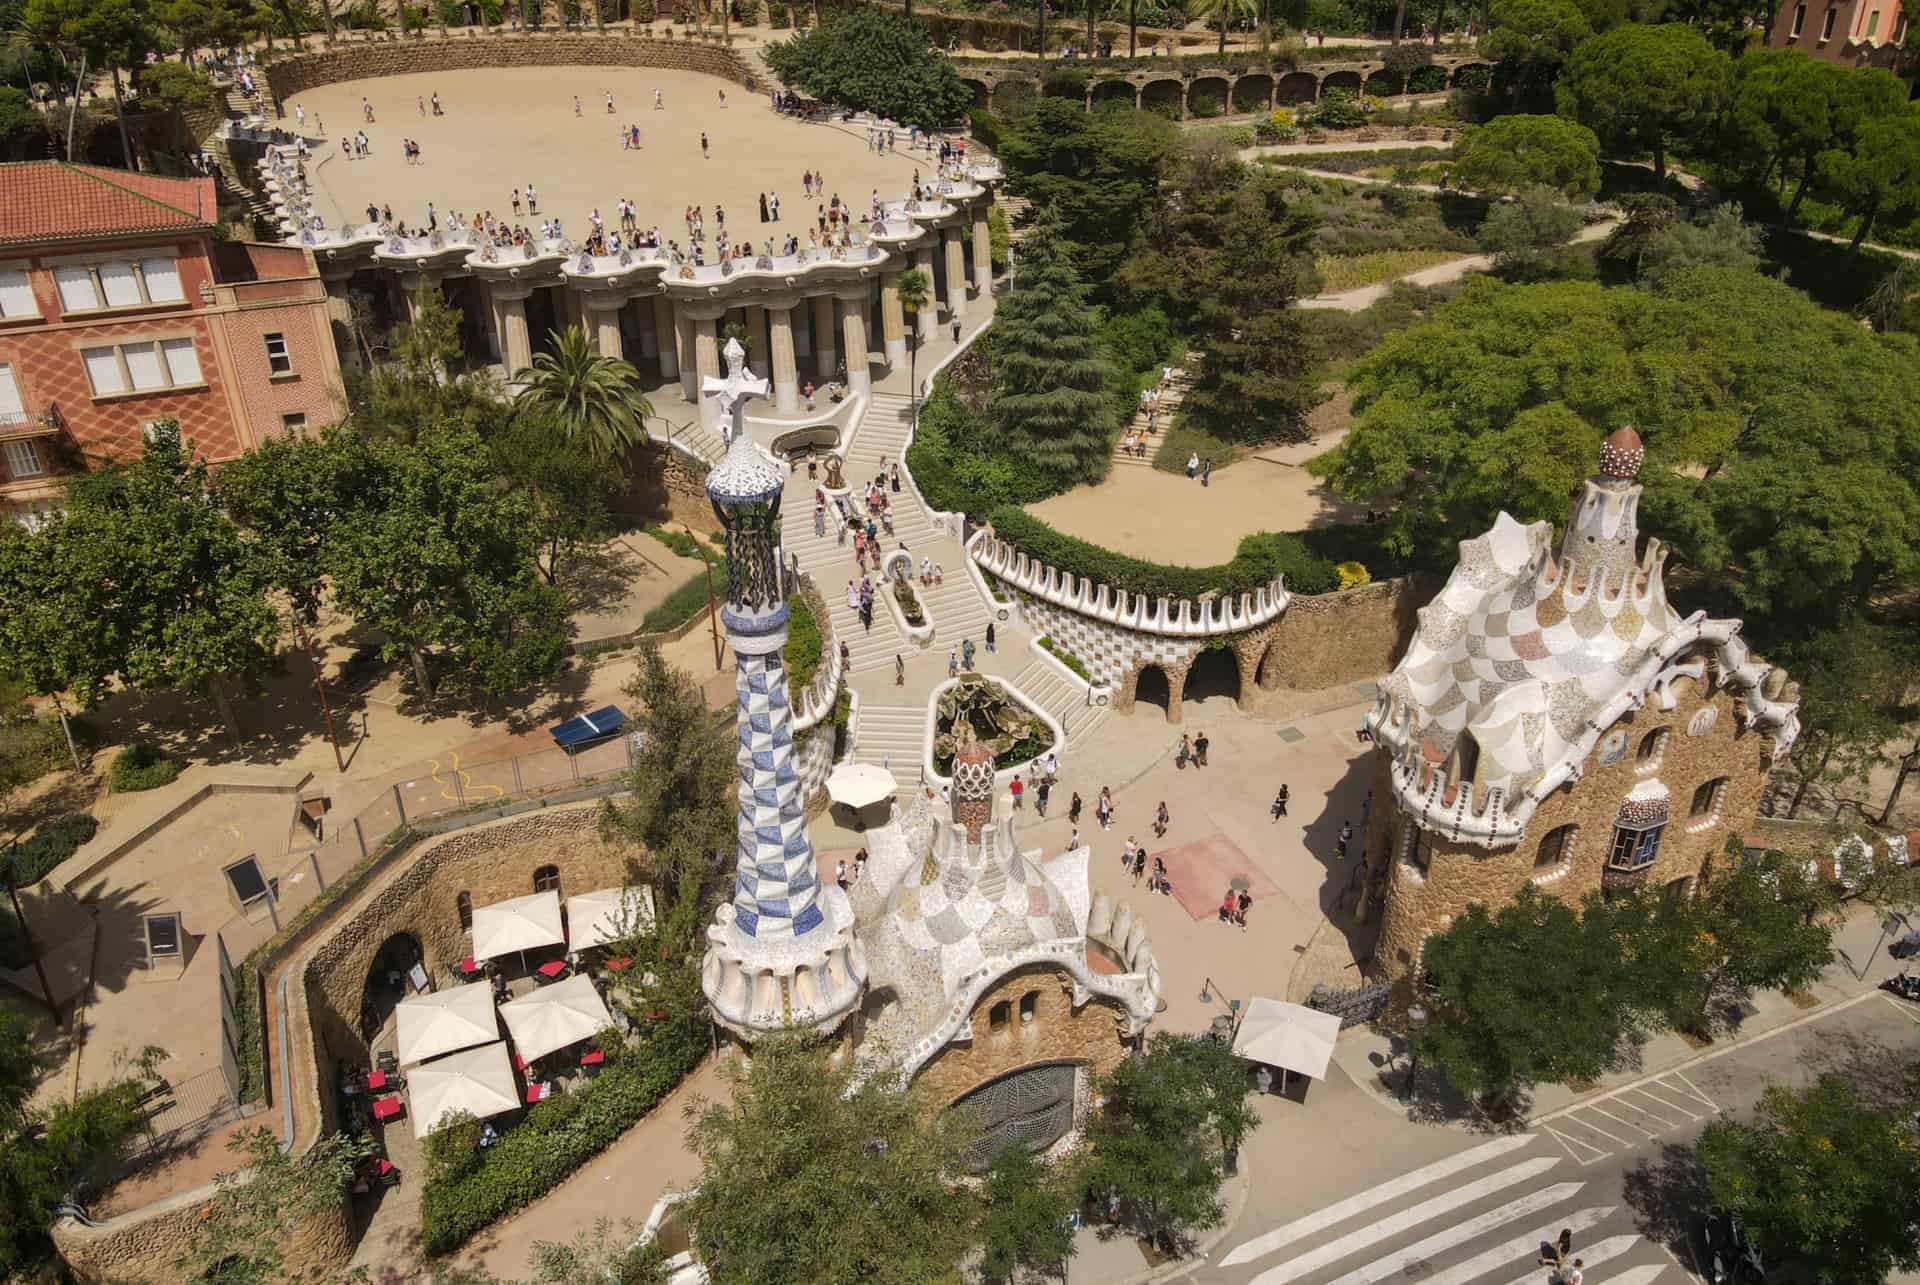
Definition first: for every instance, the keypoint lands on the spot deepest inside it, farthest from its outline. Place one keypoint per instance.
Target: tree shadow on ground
(1883, 1075)
(1666, 1193)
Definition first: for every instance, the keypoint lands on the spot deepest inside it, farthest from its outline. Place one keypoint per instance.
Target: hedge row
(51, 844)
(141, 767)
(1260, 558)
(554, 1139)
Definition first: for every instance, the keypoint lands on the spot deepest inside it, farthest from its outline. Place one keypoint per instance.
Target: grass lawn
(1352, 271)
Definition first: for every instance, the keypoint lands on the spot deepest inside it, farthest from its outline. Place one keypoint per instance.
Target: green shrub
(1065, 657)
(681, 542)
(987, 129)
(686, 602)
(802, 651)
(1259, 558)
(1183, 441)
(1428, 80)
(999, 237)
(141, 767)
(1337, 109)
(30, 748)
(544, 1149)
(51, 844)
(1205, 104)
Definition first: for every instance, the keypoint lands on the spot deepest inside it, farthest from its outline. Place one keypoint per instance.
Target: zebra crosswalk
(1477, 1217)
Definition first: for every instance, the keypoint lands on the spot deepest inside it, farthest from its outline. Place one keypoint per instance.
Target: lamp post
(1416, 1019)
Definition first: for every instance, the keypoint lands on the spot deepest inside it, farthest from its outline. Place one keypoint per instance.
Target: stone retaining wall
(147, 1244)
(290, 76)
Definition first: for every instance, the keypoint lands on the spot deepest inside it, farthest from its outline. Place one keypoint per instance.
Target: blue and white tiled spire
(783, 952)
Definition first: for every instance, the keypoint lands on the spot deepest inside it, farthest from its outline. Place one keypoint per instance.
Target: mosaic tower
(782, 953)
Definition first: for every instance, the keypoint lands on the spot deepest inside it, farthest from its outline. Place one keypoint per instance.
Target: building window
(293, 422)
(463, 906)
(998, 1015)
(142, 367)
(1420, 850)
(1799, 20)
(279, 362)
(1706, 799)
(1556, 847)
(1826, 27)
(88, 287)
(1029, 1006)
(16, 295)
(12, 409)
(24, 459)
(546, 879)
(1873, 23)
(1634, 849)
(1652, 746)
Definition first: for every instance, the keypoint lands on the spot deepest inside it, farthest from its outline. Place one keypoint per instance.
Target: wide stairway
(1062, 698)
(891, 736)
(831, 565)
(1170, 399)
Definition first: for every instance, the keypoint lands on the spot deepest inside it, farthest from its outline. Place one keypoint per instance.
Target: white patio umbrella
(1290, 1036)
(478, 1081)
(521, 923)
(596, 918)
(859, 785)
(456, 1018)
(555, 1016)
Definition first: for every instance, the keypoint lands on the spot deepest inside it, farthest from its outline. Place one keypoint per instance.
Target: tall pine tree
(1052, 399)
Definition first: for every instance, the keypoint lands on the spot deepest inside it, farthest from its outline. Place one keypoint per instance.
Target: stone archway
(1297, 87)
(1152, 684)
(981, 94)
(1166, 97)
(1384, 84)
(386, 983)
(1013, 93)
(1347, 80)
(1253, 93)
(1266, 669)
(1472, 75)
(1031, 1107)
(1207, 96)
(1214, 671)
(1115, 91)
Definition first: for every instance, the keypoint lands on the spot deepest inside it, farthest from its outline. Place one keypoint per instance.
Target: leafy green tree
(434, 554)
(1720, 238)
(1025, 1206)
(1645, 87)
(1533, 993)
(679, 806)
(1512, 153)
(428, 345)
(1172, 1117)
(571, 489)
(873, 61)
(807, 1175)
(1880, 173)
(1764, 921)
(1051, 403)
(1647, 215)
(45, 1154)
(1260, 359)
(663, 993)
(204, 24)
(1225, 13)
(1853, 678)
(1097, 172)
(915, 291)
(241, 1237)
(115, 34)
(1822, 1178)
(596, 400)
(188, 597)
(59, 632)
(285, 495)
(1528, 235)
(177, 88)
(23, 130)
(1530, 40)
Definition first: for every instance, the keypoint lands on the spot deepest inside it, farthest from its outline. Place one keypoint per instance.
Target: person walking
(1228, 904)
(1073, 808)
(1193, 465)
(1126, 853)
(819, 520)
(1040, 803)
(1014, 788)
(1240, 911)
(989, 637)
(840, 875)
(899, 670)
(1206, 473)
(1183, 751)
(706, 148)
(966, 654)
(953, 664)
(1340, 844)
(1159, 882)
(659, 104)
(1200, 744)
(1103, 809)
(1280, 802)
(1161, 819)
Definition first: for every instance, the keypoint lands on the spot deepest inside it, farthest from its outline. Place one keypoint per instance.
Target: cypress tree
(1052, 401)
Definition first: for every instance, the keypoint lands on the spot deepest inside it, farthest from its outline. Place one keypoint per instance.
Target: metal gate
(1033, 1107)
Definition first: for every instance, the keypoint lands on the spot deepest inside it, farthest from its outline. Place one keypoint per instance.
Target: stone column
(706, 351)
(664, 330)
(757, 346)
(853, 337)
(644, 327)
(518, 353)
(786, 371)
(689, 370)
(956, 276)
(923, 260)
(893, 323)
(826, 357)
(605, 313)
(340, 314)
(982, 251)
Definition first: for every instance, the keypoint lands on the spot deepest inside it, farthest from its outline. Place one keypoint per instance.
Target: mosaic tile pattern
(1109, 652)
(775, 882)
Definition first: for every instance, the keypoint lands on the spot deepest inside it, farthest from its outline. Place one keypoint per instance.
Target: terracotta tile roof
(56, 201)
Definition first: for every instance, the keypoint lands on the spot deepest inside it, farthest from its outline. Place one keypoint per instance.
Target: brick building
(1557, 722)
(118, 306)
(1852, 33)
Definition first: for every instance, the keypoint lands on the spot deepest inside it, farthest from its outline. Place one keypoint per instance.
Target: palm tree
(595, 399)
(1226, 11)
(914, 289)
(1133, 26)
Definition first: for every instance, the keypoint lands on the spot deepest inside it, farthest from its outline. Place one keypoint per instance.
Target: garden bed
(1354, 271)
(991, 713)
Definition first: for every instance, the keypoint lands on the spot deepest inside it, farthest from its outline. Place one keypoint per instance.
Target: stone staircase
(706, 444)
(830, 563)
(955, 607)
(1015, 208)
(891, 736)
(1065, 700)
(1170, 400)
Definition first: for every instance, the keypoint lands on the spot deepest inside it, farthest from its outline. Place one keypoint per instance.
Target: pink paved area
(1201, 872)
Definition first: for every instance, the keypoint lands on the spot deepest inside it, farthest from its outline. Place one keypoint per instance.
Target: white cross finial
(730, 394)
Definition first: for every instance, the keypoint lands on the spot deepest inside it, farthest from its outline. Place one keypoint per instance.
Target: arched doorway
(1163, 98)
(1297, 87)
(386, 983)
(1031, 1108)
(1347, 80)
(978, 88)
(1150, 687)
(1214, 672)
(1207, 96)
(1121, 92)
(1252, 93)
